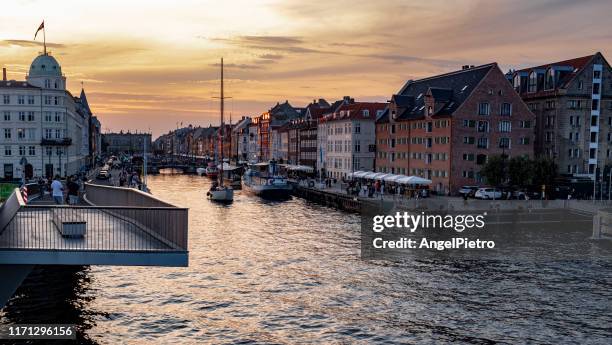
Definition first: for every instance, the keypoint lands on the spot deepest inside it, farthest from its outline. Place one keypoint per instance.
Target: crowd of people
(61, 193)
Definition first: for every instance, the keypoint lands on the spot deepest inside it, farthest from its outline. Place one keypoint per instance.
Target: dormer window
(42, 66)
(549, 82)
(429, 110)
(533, 82)
(366, 113)
(517, 82)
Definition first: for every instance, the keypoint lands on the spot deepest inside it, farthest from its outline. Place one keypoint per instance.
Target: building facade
(348, 142)
(572, 101)
(130, 143)
(445, 127)
(45, 130)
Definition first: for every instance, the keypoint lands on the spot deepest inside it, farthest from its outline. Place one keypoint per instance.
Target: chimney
(464, 67)
(3, 73)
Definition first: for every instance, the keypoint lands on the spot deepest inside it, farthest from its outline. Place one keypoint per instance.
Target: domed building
(44, 129)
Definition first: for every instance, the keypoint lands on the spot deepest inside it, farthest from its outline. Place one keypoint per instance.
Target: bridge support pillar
(11, 277)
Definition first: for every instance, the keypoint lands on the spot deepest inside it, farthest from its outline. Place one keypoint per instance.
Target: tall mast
(222, 127)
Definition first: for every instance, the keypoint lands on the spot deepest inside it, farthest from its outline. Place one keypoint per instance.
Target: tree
(520, 170)
(494, 171)
(543, 171)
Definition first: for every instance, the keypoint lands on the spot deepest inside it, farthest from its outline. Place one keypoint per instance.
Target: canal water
(290, 272)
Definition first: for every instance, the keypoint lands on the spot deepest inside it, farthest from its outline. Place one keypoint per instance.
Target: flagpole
(44, 39)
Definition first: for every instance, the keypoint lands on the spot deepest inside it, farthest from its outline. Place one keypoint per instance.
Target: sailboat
(219, 192)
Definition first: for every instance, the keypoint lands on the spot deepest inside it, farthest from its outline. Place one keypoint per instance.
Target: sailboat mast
(222, 127)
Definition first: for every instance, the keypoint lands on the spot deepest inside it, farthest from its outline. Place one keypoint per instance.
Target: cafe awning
(415, 180)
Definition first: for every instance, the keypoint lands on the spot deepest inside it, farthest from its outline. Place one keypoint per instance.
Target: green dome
(45, 66)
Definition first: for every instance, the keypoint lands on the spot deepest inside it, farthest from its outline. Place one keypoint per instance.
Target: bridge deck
(34, 229)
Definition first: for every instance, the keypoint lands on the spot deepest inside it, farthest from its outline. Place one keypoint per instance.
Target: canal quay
(270, 272)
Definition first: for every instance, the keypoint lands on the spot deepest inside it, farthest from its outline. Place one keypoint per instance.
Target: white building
(346, 139)
(44, 130)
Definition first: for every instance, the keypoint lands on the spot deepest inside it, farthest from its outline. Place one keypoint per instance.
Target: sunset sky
(151, 64)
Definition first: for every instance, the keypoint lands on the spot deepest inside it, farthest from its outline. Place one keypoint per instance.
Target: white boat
(268, 184)
(222, 194)
(219, 193)
(201, 171)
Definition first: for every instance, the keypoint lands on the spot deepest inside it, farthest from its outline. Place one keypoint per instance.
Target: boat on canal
(265, 181)
(218, 191)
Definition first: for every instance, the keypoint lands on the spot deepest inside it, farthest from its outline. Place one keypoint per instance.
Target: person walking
(57, 190)
(73, 191)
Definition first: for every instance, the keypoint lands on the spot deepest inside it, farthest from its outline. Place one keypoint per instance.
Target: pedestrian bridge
(116, 226)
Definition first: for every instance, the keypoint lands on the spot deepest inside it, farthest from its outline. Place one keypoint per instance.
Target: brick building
(572, 101)
(444, 127)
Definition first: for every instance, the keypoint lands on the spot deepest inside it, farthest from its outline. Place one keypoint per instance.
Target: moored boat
(266, 183)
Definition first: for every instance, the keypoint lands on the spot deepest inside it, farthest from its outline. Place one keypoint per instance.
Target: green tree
(520, 171)
(494, 171)
(543, 171)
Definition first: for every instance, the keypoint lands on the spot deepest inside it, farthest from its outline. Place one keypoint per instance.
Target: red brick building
(445, 127)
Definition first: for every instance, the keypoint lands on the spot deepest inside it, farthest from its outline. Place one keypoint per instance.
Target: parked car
(103, 175)
(488, 193)
(468, 190)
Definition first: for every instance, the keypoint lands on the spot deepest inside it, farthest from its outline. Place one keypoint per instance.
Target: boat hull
(269, 192)
(222, 195)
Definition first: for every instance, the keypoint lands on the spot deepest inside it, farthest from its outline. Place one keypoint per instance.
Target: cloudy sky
(153, 64)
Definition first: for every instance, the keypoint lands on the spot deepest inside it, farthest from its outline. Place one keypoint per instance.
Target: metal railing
(92, 228)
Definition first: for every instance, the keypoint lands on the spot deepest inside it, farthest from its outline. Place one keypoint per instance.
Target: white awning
(380, 176)
(393, 178)
(369, 175)
(414, 180)
(360, 174)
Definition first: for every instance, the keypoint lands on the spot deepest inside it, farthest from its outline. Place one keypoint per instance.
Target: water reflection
(51, 295)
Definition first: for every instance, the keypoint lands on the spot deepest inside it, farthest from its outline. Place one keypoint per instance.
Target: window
(533, 106)
(429, 127)
(22, 116)
(6, 99)
(468, 140)
(533, 82)
(430, 110)
(31, 133)
(468, 157)
(481, 159)
(524, 141)
(7, 133)
(504, 143)
(357, 146)
(580, 85)
(59, 151)
(48, 133)
(30, 100)
(21, 133)
(32, 150)
(483, 126)
(357, 127)
(483, 143)
(595, 104)
(365, 112)
(58, 117)
(549, 105)
(506, 109)
(596, 74)
(525, 124)
(56, 100)
(48, 116)
(48, 100)
(469, 123)
(484, 108)
(505, 126)
(30, 116)
(7, 116)
(549, 82)
(20, 99)
(56, 84)
(22, 150)
(48, 151)
(8, 151)
(596, 88)
(47, 83)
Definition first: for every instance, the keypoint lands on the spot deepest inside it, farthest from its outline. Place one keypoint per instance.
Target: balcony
(56, 142)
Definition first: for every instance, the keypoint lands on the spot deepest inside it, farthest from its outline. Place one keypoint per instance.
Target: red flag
(42, 26)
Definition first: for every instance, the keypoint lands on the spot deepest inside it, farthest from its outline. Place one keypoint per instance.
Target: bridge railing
(121, 228)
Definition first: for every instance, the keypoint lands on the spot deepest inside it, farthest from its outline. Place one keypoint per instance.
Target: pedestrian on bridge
(57, 190)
